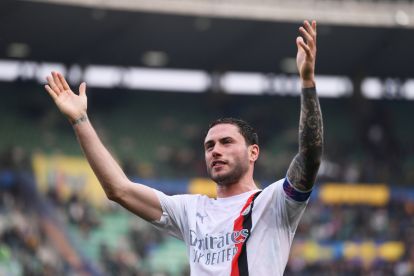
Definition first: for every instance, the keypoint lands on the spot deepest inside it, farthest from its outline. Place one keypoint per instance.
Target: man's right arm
(137, 198)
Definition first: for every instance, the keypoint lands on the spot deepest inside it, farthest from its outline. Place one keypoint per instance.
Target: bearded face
(226, 153)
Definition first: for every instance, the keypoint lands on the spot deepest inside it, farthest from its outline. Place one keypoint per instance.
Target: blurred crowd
(25, 249)
(45, 234)
(329, 224)
(35, 237)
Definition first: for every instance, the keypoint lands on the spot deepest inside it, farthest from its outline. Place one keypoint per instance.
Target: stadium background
(158, 74)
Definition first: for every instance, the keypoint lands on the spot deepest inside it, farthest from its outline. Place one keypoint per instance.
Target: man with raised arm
(244, 231)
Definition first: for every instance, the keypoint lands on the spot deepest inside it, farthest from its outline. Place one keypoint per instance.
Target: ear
(254, 152)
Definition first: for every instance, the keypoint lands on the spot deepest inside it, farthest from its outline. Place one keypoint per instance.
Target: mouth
(218, 163)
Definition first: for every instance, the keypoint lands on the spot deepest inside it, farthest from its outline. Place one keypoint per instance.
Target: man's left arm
(304, 167)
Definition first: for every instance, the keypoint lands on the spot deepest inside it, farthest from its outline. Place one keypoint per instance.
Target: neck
(237, 188)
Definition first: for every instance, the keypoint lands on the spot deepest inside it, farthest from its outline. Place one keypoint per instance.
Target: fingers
(82, 89)
(57, 81)
(302, 45)
(305, 34)
(51, 92)
(314, 26)
(310, 27)
(308, 31)
(53, 85)
(63, 81)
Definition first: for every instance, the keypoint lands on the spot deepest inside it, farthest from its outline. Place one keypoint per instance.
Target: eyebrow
(209, 142)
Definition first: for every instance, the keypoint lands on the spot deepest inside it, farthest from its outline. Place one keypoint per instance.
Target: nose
(216, 154)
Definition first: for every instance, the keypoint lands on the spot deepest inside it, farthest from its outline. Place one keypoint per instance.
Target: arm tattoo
(304, 167)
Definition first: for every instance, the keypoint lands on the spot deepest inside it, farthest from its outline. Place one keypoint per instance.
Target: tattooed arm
(304, 167)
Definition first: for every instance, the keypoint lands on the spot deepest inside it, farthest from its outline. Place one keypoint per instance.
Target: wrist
(308, 83)
(79, 119)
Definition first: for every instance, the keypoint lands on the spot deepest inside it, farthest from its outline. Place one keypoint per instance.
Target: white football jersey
(246, 234)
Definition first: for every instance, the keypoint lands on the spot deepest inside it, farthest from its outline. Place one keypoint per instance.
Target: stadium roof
(351, 12)
(92, 35)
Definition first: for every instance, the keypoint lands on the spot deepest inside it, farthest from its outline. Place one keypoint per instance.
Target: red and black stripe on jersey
(239, 265)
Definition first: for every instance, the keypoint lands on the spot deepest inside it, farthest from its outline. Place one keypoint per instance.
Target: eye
(208, 146)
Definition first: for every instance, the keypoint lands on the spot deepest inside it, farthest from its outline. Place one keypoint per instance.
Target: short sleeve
(174, 214)
(288, 203)
(296, 202)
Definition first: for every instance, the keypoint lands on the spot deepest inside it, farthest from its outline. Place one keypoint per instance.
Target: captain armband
(294, 193)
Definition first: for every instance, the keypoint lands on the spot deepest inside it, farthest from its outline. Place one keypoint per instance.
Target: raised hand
(305, 58)
(69, 103)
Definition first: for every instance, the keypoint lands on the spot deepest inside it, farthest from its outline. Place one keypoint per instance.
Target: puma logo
(198, 215)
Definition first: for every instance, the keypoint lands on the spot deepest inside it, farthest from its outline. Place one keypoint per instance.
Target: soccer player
(245, 231)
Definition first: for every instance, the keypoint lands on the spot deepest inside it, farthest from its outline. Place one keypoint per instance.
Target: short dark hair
(248, 132)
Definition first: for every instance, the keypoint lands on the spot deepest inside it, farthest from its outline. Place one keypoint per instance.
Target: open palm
(69, 103)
